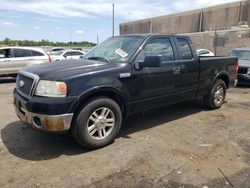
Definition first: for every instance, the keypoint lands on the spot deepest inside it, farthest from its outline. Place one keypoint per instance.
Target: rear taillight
(237, 68)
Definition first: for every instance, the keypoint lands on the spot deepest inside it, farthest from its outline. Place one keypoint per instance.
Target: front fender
(98, 90)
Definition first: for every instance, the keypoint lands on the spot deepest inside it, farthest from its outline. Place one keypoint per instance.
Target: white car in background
(204, 52)
(67, 54)
(54, 50)
(12, 59)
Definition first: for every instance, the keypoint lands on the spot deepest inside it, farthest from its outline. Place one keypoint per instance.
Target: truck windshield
(241, 54)
(116, 49)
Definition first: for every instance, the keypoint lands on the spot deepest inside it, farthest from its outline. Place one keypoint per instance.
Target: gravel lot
(183, 145)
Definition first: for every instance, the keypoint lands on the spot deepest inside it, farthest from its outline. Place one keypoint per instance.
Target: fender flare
(81, 99)
(221, 73)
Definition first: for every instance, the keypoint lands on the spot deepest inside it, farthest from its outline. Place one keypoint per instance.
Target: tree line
(43, 42)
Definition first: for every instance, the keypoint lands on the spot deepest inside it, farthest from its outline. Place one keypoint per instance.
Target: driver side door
(155, 86)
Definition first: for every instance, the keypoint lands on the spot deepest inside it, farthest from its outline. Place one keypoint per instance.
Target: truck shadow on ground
(27, 143)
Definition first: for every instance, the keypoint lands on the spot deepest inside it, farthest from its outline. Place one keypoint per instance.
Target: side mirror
(65, 56)
(151, 61)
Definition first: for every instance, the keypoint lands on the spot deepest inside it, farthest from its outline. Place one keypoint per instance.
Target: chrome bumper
(52, 123)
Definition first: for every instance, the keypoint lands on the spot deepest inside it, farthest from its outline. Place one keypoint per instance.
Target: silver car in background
(12, 59)
(67, 54)
(243, 55)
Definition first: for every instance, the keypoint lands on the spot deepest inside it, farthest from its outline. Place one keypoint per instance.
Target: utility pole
(201, 21)
(113, 20)
(215, 41)
(70, 34)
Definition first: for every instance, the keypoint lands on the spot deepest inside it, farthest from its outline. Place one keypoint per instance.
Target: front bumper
(53, 123)
(42, 113)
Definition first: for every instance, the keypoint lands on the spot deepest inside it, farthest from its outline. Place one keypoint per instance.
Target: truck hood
(67, 69)
(244, 63)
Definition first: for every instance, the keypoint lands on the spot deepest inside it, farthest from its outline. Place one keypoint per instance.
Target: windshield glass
(116, 49)
(241, 54)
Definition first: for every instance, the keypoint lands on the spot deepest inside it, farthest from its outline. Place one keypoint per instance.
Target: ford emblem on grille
(21, 83)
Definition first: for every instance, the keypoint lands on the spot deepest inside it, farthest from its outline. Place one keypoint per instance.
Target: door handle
(177, 70)
(7, 60)
(30, 59)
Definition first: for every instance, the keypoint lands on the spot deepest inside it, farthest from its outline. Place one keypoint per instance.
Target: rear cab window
(184, 49)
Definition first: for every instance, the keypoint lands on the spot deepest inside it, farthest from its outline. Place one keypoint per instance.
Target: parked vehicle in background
(121, 76)
(76, 48)
(54, 50)
(12, 59)
(243, 55)
(67, 54)
(204, 52)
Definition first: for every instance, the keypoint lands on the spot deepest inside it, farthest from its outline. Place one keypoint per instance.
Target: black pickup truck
(123, 75)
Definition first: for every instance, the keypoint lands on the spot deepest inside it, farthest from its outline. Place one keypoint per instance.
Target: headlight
(51, 89)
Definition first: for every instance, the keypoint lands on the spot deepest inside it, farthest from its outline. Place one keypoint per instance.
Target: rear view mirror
(151, 61)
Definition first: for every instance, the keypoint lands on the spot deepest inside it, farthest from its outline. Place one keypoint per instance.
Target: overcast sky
(56, 19)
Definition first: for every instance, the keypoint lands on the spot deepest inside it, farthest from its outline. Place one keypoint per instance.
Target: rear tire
(216, 96)
(98, 123)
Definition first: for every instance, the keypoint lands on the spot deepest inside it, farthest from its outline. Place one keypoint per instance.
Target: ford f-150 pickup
(123, 75)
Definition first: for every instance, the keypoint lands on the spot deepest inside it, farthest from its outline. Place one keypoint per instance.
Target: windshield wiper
(99, 58)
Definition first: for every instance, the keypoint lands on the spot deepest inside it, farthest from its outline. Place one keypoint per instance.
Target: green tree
(45, 42)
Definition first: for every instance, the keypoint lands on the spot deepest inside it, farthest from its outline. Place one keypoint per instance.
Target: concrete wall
(219, 17)
(200, 25)
(222, 42)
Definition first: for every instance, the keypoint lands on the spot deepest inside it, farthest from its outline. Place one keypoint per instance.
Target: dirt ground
(183, 145)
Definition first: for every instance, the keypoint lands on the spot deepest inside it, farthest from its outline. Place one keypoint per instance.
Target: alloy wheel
(101, 123)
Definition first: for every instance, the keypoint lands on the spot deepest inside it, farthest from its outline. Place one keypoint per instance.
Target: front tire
(216, 96)
(98, 123)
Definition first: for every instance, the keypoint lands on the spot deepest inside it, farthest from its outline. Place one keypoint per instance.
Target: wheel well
(225, 79)
(112, 95)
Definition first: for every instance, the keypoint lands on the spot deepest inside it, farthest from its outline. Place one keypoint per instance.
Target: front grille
(243, 70)
(24, 84)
